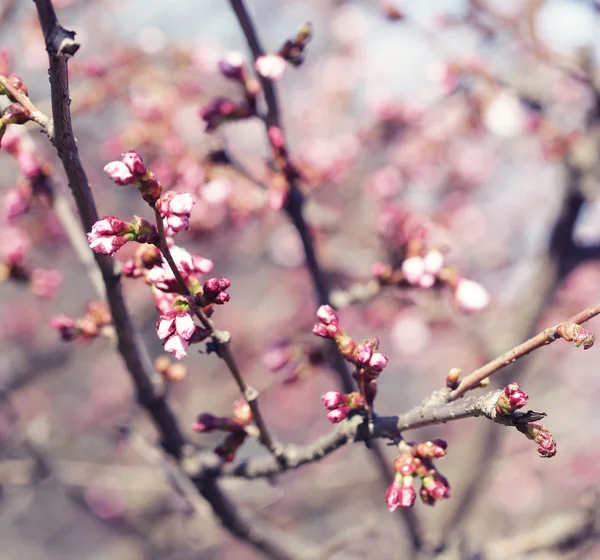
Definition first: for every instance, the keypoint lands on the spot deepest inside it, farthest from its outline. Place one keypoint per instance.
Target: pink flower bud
(119, 173)
(108, 235)
(364, 353)
(320, 330)
(242, 413)
(270, 66)
(11, 141)
(214, 290)
(276, 137)
(333, 399)
(432, 449)
(202, 265)
(433, 261)
(14, 247)
(412, 269)
(378, 362)
(436, 487)
(471, 296)
(400, 493)
(232, 66)
(327, 315)
(16, 203)
(511, 399)
(66, 326)
(426, 281)
(205, 423)
(338, 414)
(44, 283)
(135, 164)
(542, 436)
(28, 164)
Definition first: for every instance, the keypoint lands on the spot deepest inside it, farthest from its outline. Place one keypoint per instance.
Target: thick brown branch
(60, 46)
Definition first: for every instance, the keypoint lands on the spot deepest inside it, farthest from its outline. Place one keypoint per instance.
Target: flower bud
(511, 399)
(338, 414)
(270, 66)
(333, 399)
(452, 380)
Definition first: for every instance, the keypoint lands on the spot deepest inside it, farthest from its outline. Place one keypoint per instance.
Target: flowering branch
(354, 429)
(60, 45)
(569, 330)
(293, 206)
(221, 342)
(21, 97)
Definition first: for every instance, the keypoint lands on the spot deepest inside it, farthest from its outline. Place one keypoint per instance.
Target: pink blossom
(327, 315)
(471, 296)
(66, 326)
(28, 164)
(133, 161)
(175, 329)
(320, 330)
(184, 326)
(364, 353)
(270, 66)
(165, 327)
(436, 487)
(426, 281)
(14, 247)
(413, 268)
(177, 346)
(333, 399)
(338, 414)
(201, 265)
(45, 283)
(15, 204)
(119, 173)
(175, 209)
(232, 65)
(378, 362)
(400, 493)
(108, 235)
(214, 290)
(11, 141)
(433, 261)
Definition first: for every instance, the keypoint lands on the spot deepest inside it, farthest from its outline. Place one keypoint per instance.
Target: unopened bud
(453, 378)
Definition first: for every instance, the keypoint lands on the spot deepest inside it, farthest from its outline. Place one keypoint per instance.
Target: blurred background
(479, 119)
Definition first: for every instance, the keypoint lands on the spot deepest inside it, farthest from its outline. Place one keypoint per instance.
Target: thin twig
(35, 115)
(221, 341)
(542, 339)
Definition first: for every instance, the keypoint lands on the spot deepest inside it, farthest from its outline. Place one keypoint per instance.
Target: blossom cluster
(235, 425)
(340, 405)
(174, 274)
(97, 321)
(422, 266)
(415, 462)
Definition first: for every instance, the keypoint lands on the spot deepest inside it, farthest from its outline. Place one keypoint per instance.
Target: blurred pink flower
(270, 66)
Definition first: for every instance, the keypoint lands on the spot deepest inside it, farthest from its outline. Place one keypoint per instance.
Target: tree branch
(60, 45)
(542, 339)
(294, 208)
(355, 429)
